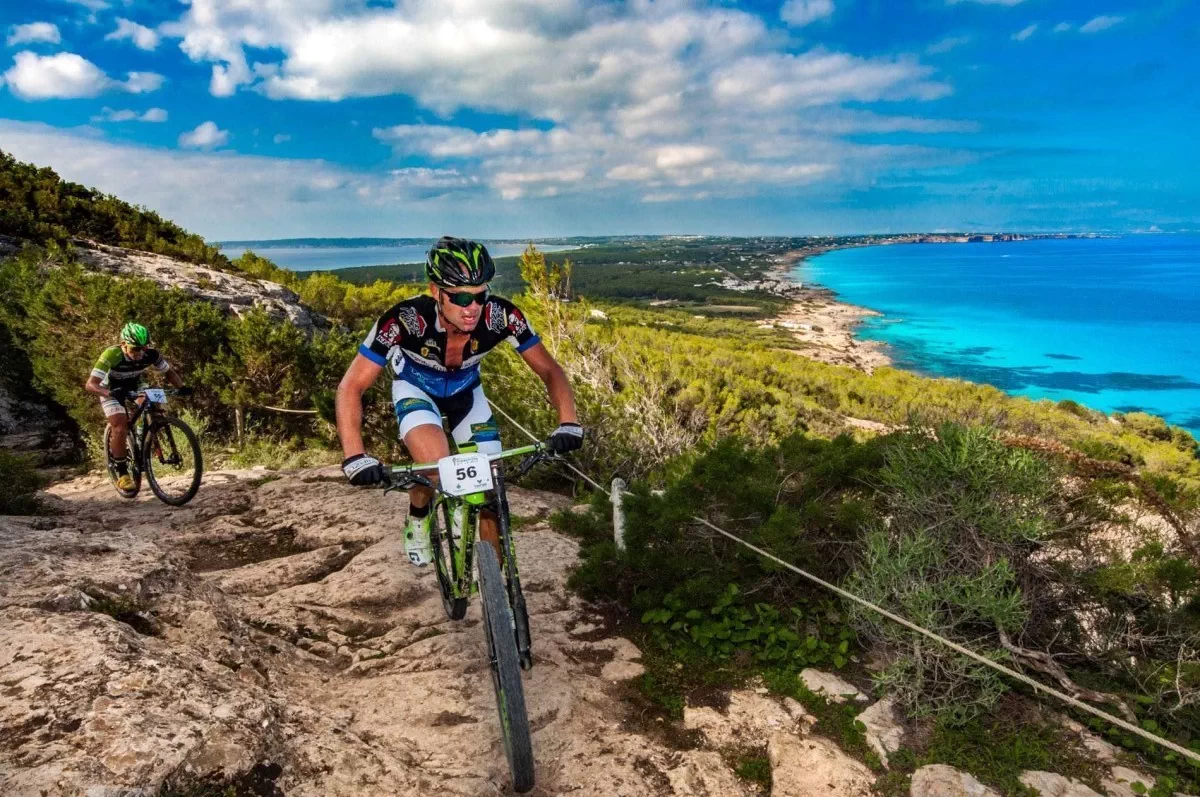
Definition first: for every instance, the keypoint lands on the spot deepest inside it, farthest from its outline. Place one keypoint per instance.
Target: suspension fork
(516, 598)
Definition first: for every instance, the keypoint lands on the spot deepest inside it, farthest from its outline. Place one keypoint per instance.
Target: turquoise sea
(1111, 323)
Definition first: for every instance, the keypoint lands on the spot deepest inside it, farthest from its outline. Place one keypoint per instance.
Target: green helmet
(455, 262)
(135, 334)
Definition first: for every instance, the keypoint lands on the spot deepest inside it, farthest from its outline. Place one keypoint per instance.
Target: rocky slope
(272, 635)
(233, 292)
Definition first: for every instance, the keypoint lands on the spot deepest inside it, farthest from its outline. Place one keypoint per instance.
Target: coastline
(828, 325)
(818, 318)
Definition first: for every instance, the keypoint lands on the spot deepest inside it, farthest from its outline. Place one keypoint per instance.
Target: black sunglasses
(465, 299)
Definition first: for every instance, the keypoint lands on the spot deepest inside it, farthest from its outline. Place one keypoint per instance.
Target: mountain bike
(161, 446)
(470, 482)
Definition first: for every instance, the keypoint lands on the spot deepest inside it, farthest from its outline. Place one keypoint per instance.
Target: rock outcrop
(233, 292)
(272, 630)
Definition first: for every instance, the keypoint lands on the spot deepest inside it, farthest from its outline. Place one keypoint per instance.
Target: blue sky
(511, 118)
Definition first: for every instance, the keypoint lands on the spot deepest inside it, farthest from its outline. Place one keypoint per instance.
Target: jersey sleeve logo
(387, 336)
(495, 319)
(412, 321)
(517, 324)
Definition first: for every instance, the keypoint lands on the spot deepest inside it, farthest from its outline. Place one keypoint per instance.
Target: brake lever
(529, 462)
(407, 481)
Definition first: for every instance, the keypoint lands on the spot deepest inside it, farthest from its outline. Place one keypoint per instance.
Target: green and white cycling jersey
(114, 369)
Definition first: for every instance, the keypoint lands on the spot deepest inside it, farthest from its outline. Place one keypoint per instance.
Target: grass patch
(751, 765)
(19, 483)
(1015, 739)
(279, 454)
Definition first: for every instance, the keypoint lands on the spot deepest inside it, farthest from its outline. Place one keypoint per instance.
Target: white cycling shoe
(417, 543)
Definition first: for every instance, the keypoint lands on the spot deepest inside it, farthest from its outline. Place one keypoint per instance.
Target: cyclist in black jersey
(432, 346)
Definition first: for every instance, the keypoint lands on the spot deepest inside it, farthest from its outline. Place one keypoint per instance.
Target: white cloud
(143, 82)
(1062, 27)
(801, 12)
(279, 138)
(69, 76)
(34, 32)
(1025, 33)
(125, 115)
(142, 37)
(59, 76)
(1102, 22)
(224, 194)
(635, 88)
(206, 136)
(821, 78)
(92, 6)
(947, 44)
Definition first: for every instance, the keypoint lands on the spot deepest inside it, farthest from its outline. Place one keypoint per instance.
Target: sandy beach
(825, 324)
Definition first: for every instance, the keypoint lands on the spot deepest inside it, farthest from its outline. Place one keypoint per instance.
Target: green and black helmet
(135, 334)
(456, 262)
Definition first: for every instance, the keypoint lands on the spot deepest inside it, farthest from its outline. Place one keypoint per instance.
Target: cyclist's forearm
(349, 420)
(94, 387)
(174, 378)
(561, 395)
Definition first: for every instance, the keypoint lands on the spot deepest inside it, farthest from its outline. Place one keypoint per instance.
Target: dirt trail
(273, 631)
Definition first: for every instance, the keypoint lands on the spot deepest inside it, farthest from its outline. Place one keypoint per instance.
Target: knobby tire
(166, 432)
(506, 669)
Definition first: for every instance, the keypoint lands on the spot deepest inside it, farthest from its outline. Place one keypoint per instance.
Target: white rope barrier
(957, 648)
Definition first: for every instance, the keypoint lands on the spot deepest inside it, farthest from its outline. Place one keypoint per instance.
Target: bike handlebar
(406, 476)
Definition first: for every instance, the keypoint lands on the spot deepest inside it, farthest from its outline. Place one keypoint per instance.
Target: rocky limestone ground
(271, 634)
(233, 292)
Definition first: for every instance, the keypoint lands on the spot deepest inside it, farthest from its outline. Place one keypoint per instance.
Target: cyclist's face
(465, 318)
(133, 352)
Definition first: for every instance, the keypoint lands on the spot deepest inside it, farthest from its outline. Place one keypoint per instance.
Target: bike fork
(515, 597)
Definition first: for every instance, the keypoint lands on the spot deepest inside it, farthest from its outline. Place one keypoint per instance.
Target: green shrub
(19, 483)
(961, 508)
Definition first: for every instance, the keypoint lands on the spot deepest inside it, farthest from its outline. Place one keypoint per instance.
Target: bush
(19, 483)
(961, 508)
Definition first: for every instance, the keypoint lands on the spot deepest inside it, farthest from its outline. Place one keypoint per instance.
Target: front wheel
(131, 468)
(173, 461)
(506, 670)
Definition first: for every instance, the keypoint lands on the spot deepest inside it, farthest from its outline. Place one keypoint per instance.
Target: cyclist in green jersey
(116, 376)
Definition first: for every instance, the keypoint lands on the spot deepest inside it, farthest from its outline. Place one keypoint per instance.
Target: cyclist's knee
(118, 422)
(486, 437)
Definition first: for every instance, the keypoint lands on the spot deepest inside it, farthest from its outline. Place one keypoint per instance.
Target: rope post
(618, 491)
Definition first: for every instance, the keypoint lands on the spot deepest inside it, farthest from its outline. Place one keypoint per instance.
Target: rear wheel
(173, 461)
(130, 464)
(506, 671)
(445, 563)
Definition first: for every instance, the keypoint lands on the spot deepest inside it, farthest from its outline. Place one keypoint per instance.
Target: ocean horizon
(1112, 323)
(330, 258)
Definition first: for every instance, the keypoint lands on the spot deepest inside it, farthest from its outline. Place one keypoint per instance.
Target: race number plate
(156, 396)
(462, 474)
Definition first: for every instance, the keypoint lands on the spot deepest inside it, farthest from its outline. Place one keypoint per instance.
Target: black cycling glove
(184, 391)
(365, 471)
(567, 437)
(120, 395)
